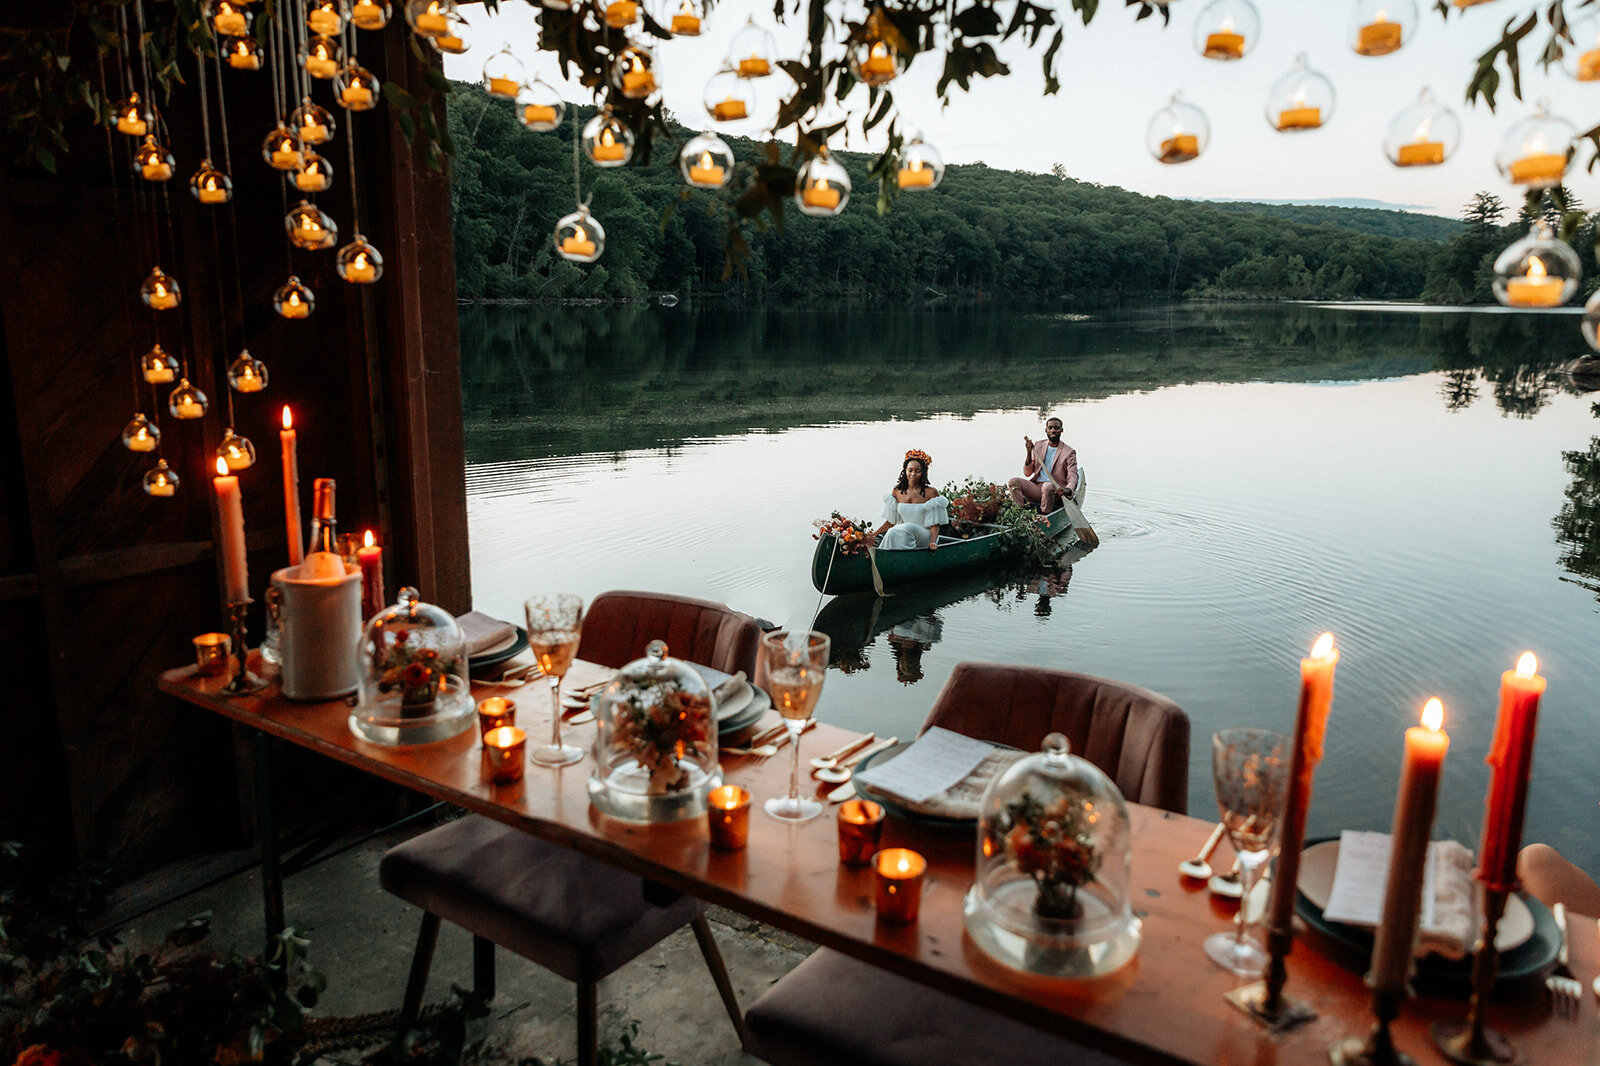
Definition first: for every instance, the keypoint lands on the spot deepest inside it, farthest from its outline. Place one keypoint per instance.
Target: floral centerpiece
(414, 671)
(660, 726)
(853, 534)
(1053, 843)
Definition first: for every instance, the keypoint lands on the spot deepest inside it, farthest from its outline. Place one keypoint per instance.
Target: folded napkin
(1449, 920)
(482, 632)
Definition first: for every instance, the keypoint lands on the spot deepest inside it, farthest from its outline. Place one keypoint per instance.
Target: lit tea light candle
(324, 19)
(621, 14)
(156, 170)
(211, 651)
(321, 65)
(132, 122)
(211, 192)
(820, 194)
(1539, 168)
(242, 55)
(229, 20)
(162, 298)
(1535, 288)
(356, 96)
(686, 23)
(914, 175)
(248, 379)
(450, 43)
(1421, 152)
(899, 882)
(1224, 43)
(879, 63)
(432, 22)
(361, 270)
(754, 67)
(1299, 116)
(312, 179)
(368, 15)
(503, 749)
(294, 306)
(507, 87)
(1180, 147)
(288, 441)
(158, 368)
(728, 110)
(607, 149)
(728, 815)
(539, 116)
(578, 243)
(860, 826)
(496, 712)
(230, 520)
(1589, 65)
(286, 155)
(313, 132)
(370, 558)
(1426, 746)
(1378, 37)
(636, 80)
(141, 440)
(161, 485)
(706, 172)
(1511, 756)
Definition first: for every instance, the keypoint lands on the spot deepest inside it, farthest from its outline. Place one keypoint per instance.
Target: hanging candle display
(322, 57)
(607, 142)
(312, 124)
(140, 434)
(161, 480)
(540, 107)
(753, 51)
(686, 20)
(1300, 100)
(872, 57)
(247, 374)
(706, 161)
(504, 74)
(633, 72)
(131, 116)
(369, 14)
(243, 53)
(293, 300)
(157, 367)
(1591, 321)
(230, 18)
(1178, 132)
(921, 166)
(356, 88)
(1582, 58)
(580, 237)
(325, 17)
(456, 40)
(1423, 135)
(1540, 270)
(281, 149)
(309, 227)
(430, 18)
(1536, 151)
(187, 402)
(1227, 29)
(1379, 27)
(159, 292)
(152, 161)
(822, 186)
(729, 97)
(210, 185)
(359, 262)
(236, 452)
(620, 14)
(315, 173)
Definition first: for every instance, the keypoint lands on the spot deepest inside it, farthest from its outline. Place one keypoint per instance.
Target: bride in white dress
(914, 511)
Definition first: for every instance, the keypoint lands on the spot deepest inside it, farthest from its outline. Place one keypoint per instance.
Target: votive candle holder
(860, 827)
(496, 712)
(728, 815)
(211, 651)
(899, 877)
(503, 748)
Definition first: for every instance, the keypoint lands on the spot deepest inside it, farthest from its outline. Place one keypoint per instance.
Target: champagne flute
(555, 623)
(796, 663)
(1251, 770)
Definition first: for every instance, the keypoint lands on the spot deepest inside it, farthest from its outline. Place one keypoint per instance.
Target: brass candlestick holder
(1472, 1043)
(1377, 1049)
(243, 682)
(1264, 1000)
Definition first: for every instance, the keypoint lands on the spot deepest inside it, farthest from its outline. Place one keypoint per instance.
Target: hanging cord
(205, 104)
(350, 151)
(233, 217)
(116, 214)
(280, 75)
(216, 243)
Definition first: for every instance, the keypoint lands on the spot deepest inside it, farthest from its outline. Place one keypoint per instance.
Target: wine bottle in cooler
(324, 526)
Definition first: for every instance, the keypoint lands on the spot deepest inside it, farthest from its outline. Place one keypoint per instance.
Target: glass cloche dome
(414, 686)
(655, 755)
(1051, 888)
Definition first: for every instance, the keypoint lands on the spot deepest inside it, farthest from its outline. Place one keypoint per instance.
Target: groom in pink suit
(1049, 471)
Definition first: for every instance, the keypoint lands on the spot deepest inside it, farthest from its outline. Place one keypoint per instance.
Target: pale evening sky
(1116, 73)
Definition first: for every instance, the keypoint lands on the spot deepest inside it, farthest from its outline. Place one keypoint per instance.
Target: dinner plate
(509, 648)
(897, 807)
(759, 705)
(738, 703)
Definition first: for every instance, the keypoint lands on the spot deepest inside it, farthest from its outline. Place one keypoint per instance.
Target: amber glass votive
(494, 713)
(503, 748)
(900, 873)
(860, 826)
(211, 651)
(728, 814)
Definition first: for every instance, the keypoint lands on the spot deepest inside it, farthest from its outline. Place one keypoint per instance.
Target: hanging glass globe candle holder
(210, 185)
(315, 174)
(356, 88)
(822, 186)
(1178, 132)
(161, 480)
(753, 51)
(322, 57)
(312, 124)
(1423, 135)
(293, 300)
(921, 167)
(325, 17)
(1581, 59)
(620, 14)
(1591, 321)
(580, 237)
(369, 14)
(243, 53)
(281, 149)
(1227, 29)
(873, 59)
(140, 434)
(1536, 151)
(131, 116)
(159, 292)
(358, 262)
(1537, 271)
(309, 227)
(230, 19)
(706, 161)
(236, 452)
(686, 20)
(729, 97)
(504, 74)
(540, 107)
(1378, 27)
(247, 374)
(457, 40)
(187, 402)
(1300, 100)
(152, 161)
(607, 142)
(429, 18)
(157, 367)
(633, 72)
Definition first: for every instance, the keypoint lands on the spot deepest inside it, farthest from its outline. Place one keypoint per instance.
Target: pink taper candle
(1511, 755)
(230, 518)
(291, 488)
(1310, 726)
(370, 557)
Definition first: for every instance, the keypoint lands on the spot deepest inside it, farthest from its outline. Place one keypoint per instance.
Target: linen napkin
(483, 632)
(1449, 919)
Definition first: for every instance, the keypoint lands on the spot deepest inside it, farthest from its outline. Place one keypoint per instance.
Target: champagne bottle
(324, 527)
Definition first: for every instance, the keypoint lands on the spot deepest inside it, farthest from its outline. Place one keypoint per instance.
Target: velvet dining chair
(571, 914)
(833, 1008)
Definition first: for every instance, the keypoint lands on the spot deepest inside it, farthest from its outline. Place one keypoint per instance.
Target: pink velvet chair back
(1139, 739)
(620, 625)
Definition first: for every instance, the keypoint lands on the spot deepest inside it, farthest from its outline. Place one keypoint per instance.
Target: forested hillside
(1361, 219)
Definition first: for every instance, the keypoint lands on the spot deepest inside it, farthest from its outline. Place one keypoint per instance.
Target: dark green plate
(894, 806)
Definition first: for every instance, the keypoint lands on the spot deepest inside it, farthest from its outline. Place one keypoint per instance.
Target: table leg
(267, 842)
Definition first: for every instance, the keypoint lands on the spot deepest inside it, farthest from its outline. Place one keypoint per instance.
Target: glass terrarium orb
(1178, 132)
(683, 18)
(210, 185)
(634, 72)
(140, 434)
(187, 402)
(504, 74)
(1050, 894)
(822, 186)
(1423, 135)
(1591, 321)
(356, 88)
(310, 227)
(1227, 29)
(131, 116)
(413, 683)
(230, 18)
(1300, 100)
(620, 14)
(325, 17)
(706, 161)
(540, 107)
(236, 452)
(293, 299)
(874, 61)
(161, 480)
(322, 57)
(358, 262)
(580, 237)
(152, 161)
(314, 175)
(247, 373)
(1581, 58)
(729, 97)
(921, 167)
(1378, 27)
(157, 367)
(243, 53)
(312, 123)
(281, 149)
(607, 142)
(655, 756)
(456, 40)
(1535, 151)
(1540, 270)
(753, 52)
(430, 18)
(159, 292)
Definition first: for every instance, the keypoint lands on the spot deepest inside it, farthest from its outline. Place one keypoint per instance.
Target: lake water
(1257, 475)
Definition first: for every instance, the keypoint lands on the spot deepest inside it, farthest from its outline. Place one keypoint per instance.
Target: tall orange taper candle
(1414, 808)
(1511, 755)
(370, 557)
(230, 519)
(291, 488)
(1310, 725)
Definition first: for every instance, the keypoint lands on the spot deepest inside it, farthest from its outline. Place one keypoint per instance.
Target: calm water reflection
(1422, 483)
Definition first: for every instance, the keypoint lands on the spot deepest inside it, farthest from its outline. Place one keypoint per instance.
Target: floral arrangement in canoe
(853, 535)
(417, 672)
(659, 725)
(1052, 843)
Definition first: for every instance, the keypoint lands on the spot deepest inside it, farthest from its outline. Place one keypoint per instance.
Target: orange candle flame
(1528, 665)
(222, 467)
(288, 419)
(1323, 648)
(369, 540)
(1433, 714)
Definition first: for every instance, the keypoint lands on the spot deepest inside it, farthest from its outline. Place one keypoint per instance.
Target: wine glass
(555, 622)
(1251, 771)
(796, 663)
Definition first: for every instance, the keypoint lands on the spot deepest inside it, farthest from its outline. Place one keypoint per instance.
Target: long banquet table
(1166, 1006)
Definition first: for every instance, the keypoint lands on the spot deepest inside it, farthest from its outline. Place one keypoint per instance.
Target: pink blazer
(1065, 471)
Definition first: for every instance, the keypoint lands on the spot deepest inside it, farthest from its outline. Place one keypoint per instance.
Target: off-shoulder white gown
(911, 521)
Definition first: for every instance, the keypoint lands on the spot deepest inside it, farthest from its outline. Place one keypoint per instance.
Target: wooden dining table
(1166, 1006)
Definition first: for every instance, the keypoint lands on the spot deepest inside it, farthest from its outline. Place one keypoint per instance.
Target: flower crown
(918, 453)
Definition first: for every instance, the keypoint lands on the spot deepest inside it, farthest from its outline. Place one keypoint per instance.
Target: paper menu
(1362, 874)
(936, 762)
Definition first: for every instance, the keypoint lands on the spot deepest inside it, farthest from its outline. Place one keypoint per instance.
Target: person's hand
(933, 545)
(1027, 442)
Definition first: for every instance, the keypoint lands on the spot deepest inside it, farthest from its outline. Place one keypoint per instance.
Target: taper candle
(370, 558)
(1511, 755)
(230, 519)
(291, 488)
(1310, 726)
